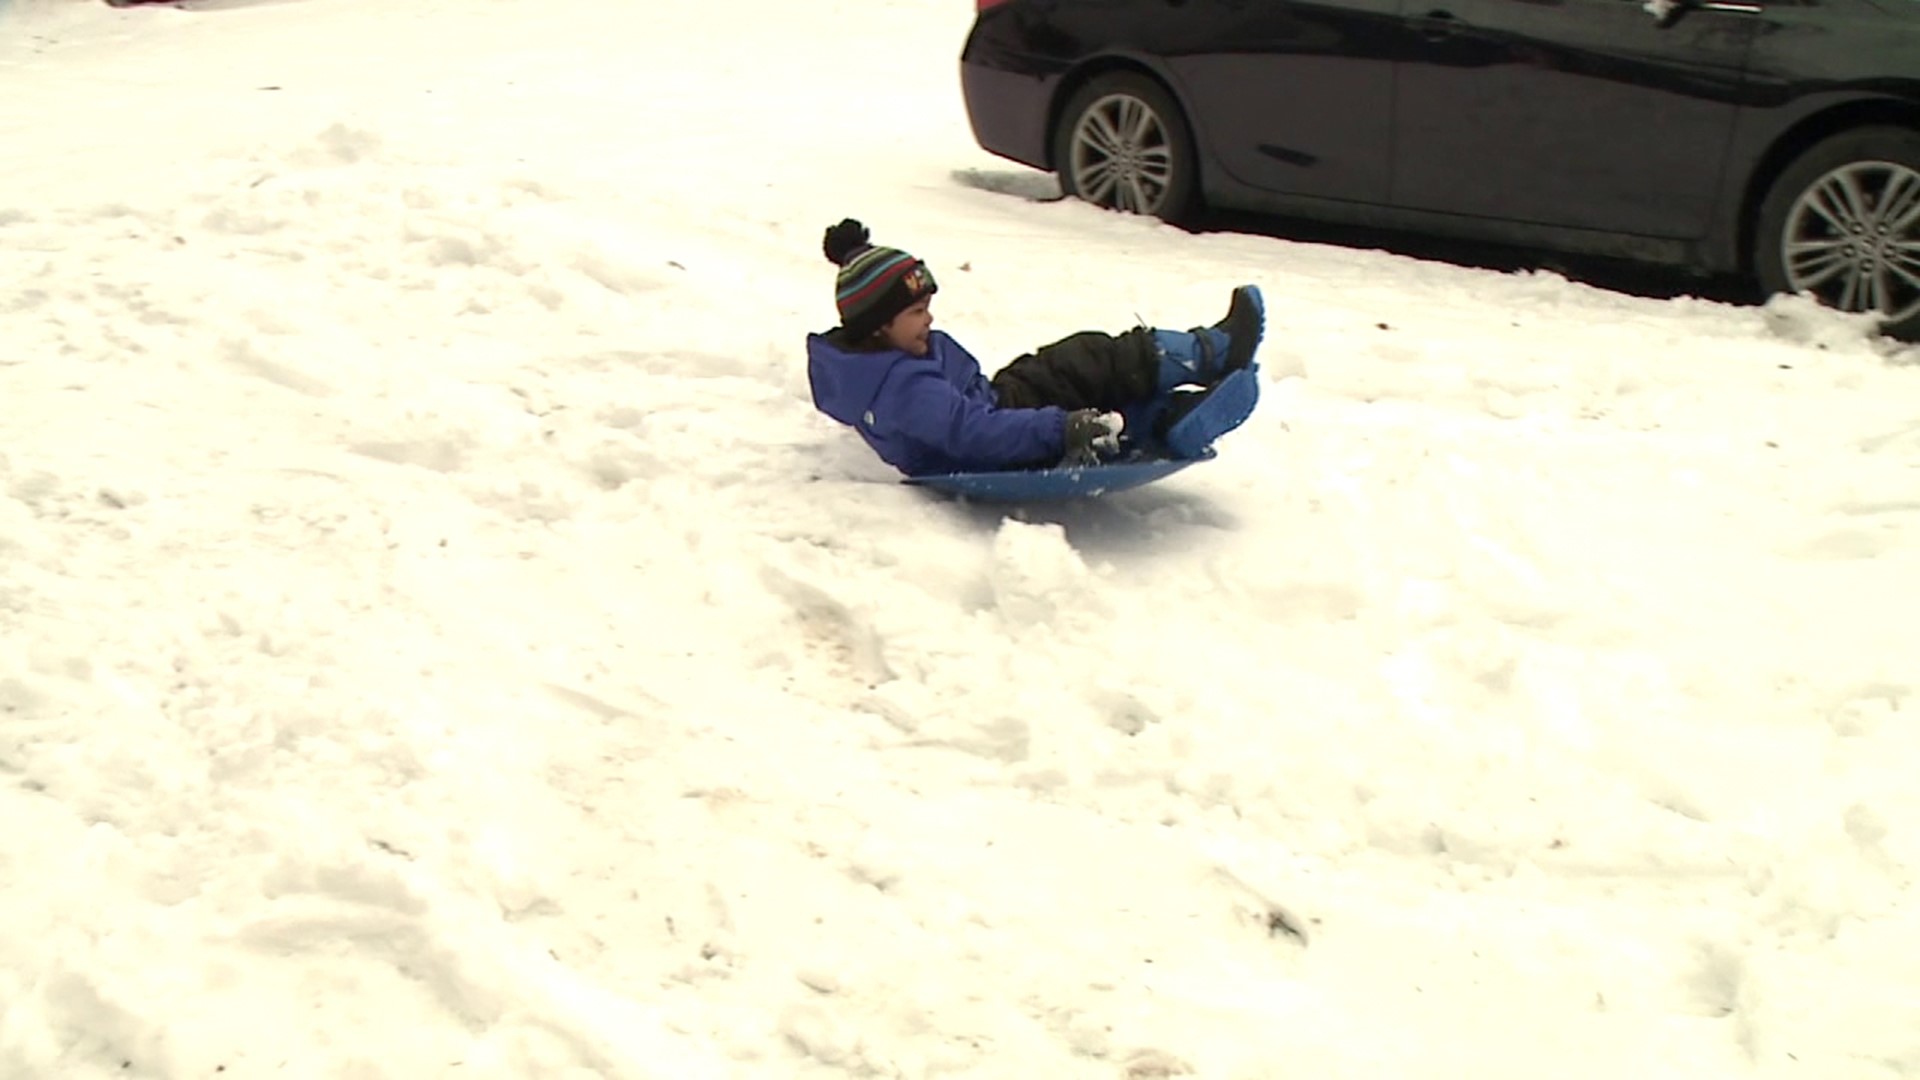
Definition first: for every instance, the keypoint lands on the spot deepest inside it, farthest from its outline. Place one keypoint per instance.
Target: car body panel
(1010, 111)
(1298, 97)
(1585, 113)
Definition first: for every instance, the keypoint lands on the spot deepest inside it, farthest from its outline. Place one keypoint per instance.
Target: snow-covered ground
(439, 638)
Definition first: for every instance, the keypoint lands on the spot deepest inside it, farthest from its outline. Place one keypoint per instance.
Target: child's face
(909, 330)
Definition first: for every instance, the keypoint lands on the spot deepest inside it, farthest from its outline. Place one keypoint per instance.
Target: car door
(1601, 114)
(1291, 96)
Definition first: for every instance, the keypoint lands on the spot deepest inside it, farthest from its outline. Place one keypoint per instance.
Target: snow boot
(1245, 324)
(1206, 354)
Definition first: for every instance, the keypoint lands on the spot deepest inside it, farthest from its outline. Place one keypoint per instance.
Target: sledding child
(921, 402)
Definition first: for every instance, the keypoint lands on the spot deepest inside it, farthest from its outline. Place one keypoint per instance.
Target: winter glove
(1091, 433)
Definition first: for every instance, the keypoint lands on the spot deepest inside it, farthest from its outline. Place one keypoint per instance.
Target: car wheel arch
(1790, 145)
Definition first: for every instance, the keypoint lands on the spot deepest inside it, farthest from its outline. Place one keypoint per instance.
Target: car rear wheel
(1842, 224)
(1122, 143)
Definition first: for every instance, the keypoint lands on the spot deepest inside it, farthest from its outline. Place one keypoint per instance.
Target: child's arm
(972, 434)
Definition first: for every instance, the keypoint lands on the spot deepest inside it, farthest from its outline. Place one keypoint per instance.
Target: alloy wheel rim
(1122, 155)
(1853, 240)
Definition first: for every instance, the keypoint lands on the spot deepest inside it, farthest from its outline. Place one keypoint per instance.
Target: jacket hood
(845, 381)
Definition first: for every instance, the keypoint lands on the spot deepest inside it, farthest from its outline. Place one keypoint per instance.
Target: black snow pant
(1088, 370)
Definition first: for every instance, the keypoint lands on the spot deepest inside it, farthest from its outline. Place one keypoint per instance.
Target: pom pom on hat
(844, 240)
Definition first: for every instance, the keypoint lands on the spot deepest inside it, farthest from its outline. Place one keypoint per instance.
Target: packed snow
(440, 638)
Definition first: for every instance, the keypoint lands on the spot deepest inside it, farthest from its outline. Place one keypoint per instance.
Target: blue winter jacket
(931, 414)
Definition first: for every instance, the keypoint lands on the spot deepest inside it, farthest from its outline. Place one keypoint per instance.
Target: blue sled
(1187, 442)
(1045, 485)
(1225, 407)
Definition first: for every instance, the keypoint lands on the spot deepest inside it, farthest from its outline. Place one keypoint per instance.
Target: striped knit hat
(875, 283)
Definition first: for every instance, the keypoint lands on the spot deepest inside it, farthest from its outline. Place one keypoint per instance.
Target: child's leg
(1089, 370)
(1092, 370)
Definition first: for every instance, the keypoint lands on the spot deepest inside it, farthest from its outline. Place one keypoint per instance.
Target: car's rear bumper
(1008, 111)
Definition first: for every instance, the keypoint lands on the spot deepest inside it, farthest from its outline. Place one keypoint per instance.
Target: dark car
(1778, 139)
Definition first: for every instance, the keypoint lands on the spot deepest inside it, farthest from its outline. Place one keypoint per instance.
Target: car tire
(1123, 143)
(1842, 223)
